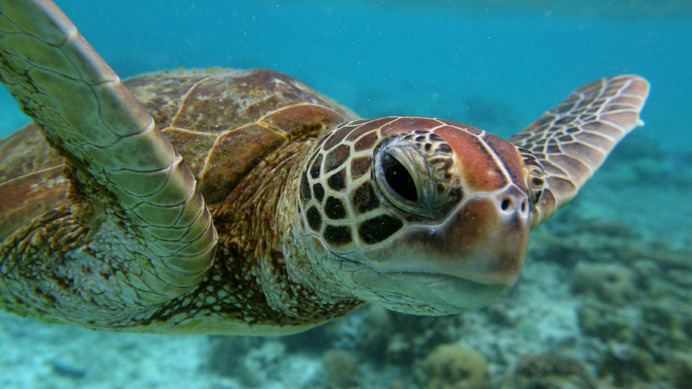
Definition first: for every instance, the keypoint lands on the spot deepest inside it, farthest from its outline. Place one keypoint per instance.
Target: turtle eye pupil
(398, 178)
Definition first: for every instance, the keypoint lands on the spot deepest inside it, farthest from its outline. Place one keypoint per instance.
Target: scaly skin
(287, 126)
(573, 139)
(120, 157)
(144, 234)
(249, 290)
(316, 212)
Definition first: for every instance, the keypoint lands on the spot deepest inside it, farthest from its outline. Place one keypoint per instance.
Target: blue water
(388, 60)
(497, 68)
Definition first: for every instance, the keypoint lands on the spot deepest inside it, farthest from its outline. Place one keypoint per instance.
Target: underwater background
(604, 299)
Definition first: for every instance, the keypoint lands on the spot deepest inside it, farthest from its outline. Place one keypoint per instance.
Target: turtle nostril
(523, 206)
(505, 204)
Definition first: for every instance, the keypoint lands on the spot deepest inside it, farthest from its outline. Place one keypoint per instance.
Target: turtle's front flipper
(89, 115)
(573, 139)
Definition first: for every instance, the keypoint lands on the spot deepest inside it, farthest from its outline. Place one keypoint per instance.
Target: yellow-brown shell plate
(32, 178)
(224, 121)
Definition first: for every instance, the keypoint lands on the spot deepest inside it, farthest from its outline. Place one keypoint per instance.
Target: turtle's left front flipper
(121, 160)
(572, 140)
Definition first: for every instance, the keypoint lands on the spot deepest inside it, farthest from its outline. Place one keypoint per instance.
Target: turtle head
(420, 215)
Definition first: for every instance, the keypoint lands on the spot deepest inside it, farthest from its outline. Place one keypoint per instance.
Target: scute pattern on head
(339, 199)
(334, 184)
(433, 217)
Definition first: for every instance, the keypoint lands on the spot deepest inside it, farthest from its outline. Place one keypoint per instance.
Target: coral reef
(549, 371)
(450, 366)
(613, 283)
(342, 368)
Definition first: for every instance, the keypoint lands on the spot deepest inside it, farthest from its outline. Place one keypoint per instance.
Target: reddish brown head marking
(410, 195)
(488, 162)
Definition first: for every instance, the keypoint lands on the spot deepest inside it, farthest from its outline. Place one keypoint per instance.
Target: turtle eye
(398, 178)
(536, 186)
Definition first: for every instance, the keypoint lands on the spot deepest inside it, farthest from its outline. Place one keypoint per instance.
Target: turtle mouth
(422, 293)
(451, 290)
(419, 290)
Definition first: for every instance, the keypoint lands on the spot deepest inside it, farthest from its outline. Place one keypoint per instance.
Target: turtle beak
(468, 261)
(488, 238)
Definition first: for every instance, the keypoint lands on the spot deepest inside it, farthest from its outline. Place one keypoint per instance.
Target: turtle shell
(223, 122)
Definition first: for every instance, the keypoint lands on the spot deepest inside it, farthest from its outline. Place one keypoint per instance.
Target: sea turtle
(256, 205)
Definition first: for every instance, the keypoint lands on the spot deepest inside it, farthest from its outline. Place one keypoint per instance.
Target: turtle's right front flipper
(120, 159)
